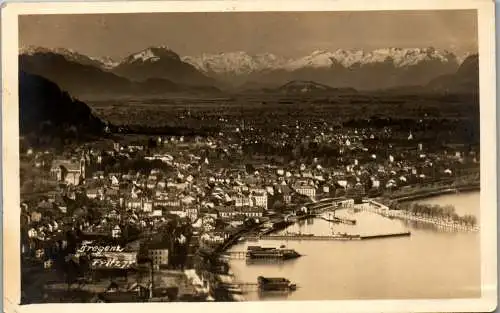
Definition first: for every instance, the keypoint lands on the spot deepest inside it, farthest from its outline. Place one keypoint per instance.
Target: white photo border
(10, 152)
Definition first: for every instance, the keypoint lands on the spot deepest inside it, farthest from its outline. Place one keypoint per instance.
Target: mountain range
(159, 70)
(464, 80)
(362, 70)
(87, 77)
(160, 62)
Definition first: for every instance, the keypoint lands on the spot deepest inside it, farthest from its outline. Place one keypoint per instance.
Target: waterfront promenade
(378, 208)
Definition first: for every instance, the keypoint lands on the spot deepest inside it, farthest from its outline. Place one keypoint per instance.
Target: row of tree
(446, 212)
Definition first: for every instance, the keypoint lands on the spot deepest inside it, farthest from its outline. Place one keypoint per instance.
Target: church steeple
(83, 165)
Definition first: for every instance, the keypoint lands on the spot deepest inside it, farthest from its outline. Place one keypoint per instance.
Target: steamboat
(282, 253)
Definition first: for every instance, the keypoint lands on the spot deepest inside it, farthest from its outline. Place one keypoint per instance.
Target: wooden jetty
(334, 219)
(239, 255)
(401, 234)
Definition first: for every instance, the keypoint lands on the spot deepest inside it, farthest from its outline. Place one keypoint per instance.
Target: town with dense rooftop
(151, 218)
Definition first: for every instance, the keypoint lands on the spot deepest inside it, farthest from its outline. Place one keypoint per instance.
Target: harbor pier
(340, 237)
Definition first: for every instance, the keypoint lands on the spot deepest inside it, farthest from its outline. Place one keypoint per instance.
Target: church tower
(83, 166)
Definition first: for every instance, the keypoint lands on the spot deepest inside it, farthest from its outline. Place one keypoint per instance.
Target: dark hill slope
(46, 110)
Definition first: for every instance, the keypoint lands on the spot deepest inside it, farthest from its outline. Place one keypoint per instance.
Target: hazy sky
(287, 34)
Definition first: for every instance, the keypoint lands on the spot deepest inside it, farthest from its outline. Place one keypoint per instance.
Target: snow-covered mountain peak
(400, 57)
(237, 62)
(107, 62)
(70, 55)
(240, 62)
(31, 50)
(152, 54)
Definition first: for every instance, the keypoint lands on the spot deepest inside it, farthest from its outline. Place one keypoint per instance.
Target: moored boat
(258, 252)
(275, 284)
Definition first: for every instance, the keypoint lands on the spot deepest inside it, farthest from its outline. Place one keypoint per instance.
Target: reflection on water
(428, 264)
(464, 203)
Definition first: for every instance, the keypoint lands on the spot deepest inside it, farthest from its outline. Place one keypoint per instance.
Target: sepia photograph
(251, 155)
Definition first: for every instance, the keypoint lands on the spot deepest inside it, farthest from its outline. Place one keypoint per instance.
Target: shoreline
(434, 193)
(383, 210)
(234, 240)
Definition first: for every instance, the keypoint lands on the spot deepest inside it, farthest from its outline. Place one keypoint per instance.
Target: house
(260, 199)
(98, 175)
(357, 191)
(252, 211)
(162, 184)
(116, 232)
(191, 212)
(112, 194)
(227, 212)
(147, 206)
(113, 214)
(156, 213)
(134, 204)
(92, 193)
(48, 264)
(346, 203)
(306, 190)
(36, 216)
(32, 233)
(176, 211)
(241, 200)
(40, 253)
(67, 171)
(237, 221)
(115, 181)
(187, 200)
(52, 195)
(270, 190)
(307, 174)
(174, 202)
(151, 184)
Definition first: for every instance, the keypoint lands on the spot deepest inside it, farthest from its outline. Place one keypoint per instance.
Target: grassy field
(433, 115)
(340, 108)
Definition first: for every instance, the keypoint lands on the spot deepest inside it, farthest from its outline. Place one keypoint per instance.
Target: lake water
(428, 264)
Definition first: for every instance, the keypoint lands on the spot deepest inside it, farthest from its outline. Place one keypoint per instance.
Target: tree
(278, 206)
(339, 192)
(448, 211)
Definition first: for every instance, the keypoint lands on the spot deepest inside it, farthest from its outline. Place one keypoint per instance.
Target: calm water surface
(428, 264)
